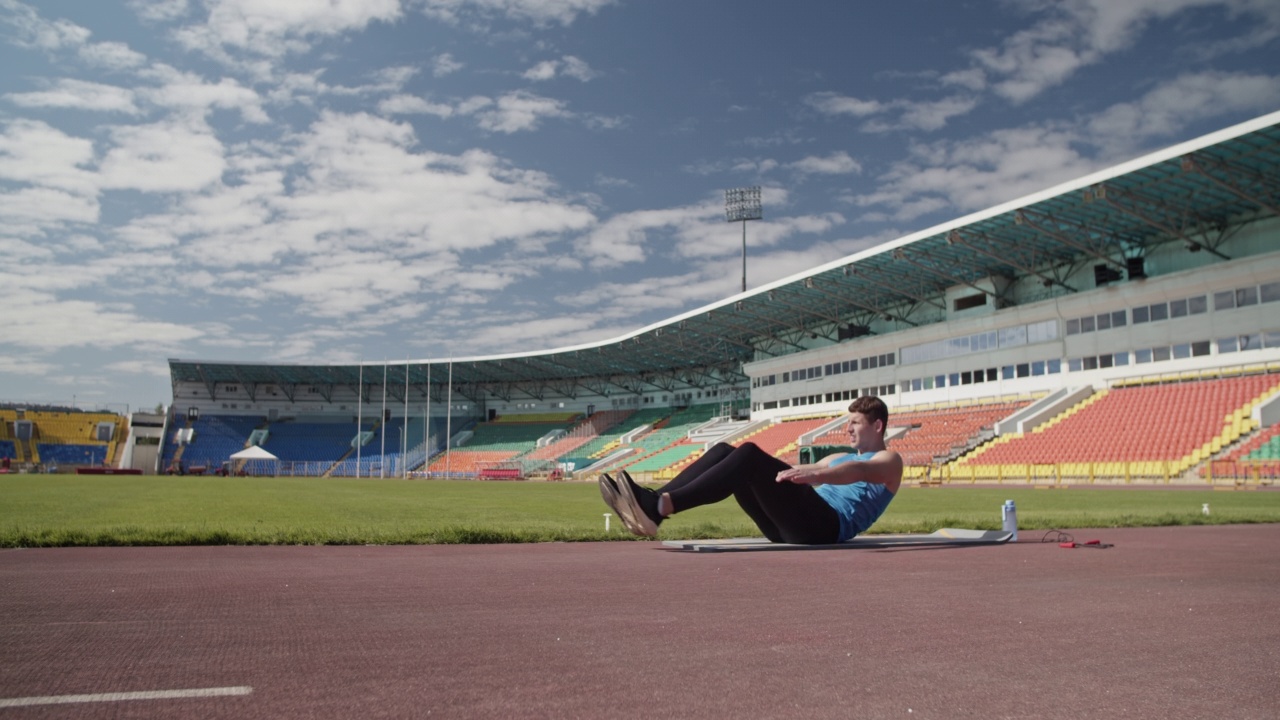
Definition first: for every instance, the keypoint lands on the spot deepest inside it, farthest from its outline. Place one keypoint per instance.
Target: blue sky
(338, 180)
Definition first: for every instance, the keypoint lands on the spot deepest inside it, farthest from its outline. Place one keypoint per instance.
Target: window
(1014, 336)
(940, 380)
(954, 379)
(1117, 318)
(1006, 372)
(1200, 348)
(1246, 296)
(1121, 358)
(991, 374)
(1178, 308)
(1141, 315)
(1224, 300)
(1142, 356)
(786, 377)
(1075, 364)
(1159, 311)
(1228, 345)
(966, 378)
(875, 361)
(866, 364)
(1270, 292)
(1197, 305)
(1160, 354)
(1182, 350)
(1104, 321)
(1024, 370)
(1252, 341)
(1042, 331)
(1055, 366)
(1106, 361)
(1271, 338)
(1090, 363)
(917, 384)
(1073, 326)
(1086, 324)
(1037, 368)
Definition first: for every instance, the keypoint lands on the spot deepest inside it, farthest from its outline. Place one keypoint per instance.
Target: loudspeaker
(1137, 267)
(1103, 274)
(849, 332)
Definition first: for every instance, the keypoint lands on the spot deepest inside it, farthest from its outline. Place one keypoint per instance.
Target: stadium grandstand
(1122, 327)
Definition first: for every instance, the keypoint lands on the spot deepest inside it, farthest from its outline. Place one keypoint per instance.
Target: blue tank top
(858, 504)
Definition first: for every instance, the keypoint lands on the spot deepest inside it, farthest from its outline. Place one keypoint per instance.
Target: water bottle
(1009, 519)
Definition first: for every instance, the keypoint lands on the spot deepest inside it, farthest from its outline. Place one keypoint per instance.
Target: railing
(1164, 472)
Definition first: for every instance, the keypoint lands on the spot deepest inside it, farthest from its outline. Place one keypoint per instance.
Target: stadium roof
(1196, 193)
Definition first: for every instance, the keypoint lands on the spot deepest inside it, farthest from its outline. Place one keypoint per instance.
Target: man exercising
(827, 502)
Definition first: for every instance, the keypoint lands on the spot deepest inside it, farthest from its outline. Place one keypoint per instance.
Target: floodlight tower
(743, 204)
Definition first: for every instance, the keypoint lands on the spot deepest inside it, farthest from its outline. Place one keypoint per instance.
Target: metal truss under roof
(1197, 193)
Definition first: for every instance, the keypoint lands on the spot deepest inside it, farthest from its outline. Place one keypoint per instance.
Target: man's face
(860, 429)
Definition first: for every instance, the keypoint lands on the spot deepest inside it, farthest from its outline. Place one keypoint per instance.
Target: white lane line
(117, 696)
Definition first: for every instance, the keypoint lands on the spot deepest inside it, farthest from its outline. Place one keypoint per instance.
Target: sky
(334, 181)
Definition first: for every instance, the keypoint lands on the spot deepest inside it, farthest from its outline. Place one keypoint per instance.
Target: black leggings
(785, 512)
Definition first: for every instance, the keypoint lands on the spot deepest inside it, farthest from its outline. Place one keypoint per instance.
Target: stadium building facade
(1167, 265)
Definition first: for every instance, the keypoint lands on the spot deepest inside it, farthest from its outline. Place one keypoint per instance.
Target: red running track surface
(1170, 623)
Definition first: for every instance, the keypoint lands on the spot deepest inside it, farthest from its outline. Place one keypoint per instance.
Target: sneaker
(609, 491)
(643, 524)
(648, 500)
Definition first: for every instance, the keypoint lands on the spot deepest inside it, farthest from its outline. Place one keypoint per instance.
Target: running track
(1170, 623)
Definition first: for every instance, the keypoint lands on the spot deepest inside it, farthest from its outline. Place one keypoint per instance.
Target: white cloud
(913, 114)
(980, 172)
(366, 223)
(40, 321)
(1165, 110)
(544, 70)
(715, 239)
(971, 79)
(444, 64)
(33, 210)
(273, 29)
(162, 157)
(830, 103)
(519, 111)
(623, 238)
(112, 56)
(934, 115)
(159, 10)
(188, 91)
(568, 66)
(78, 95)
(541, 12)
(392, 79)
(36, 153)
(837, 163)
(1077, 33)
(412, 105)
(35, 32)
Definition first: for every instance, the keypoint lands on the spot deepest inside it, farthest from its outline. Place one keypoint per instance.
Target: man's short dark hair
(873, 407)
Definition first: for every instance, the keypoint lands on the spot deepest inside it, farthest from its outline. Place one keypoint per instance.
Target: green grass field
(71, 510)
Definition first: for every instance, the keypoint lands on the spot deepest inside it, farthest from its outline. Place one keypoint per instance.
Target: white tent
(253, 452)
